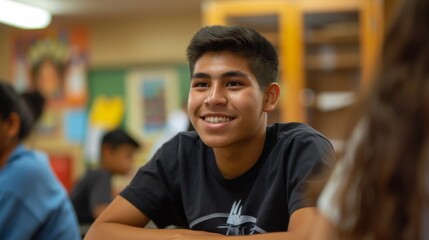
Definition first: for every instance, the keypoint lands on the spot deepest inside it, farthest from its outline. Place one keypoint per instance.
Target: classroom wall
(5, 51)
(123, 41)
(142, 40)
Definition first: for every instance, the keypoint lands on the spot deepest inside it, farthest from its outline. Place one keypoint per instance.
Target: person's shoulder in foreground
(380, 188)
(34, 204)
(232, 176)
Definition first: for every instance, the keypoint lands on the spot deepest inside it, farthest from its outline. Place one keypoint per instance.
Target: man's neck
(235, 160)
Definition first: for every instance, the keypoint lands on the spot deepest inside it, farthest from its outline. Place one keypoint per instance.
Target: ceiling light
(23, 16)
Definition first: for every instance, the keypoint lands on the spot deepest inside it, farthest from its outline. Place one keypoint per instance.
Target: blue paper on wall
(74, 124)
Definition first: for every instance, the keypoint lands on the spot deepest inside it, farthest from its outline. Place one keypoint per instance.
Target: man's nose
(216, 95)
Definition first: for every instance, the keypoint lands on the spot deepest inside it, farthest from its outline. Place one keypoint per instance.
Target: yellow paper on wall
(107, 112)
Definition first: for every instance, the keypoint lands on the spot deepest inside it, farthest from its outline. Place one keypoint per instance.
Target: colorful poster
(54, 62)
(153, 102)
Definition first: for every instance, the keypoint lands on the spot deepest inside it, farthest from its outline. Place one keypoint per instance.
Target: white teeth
(217, 119)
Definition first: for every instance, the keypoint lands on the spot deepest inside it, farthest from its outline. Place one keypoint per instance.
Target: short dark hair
(246, 42)
(117, 137)
(35, 102)
(11, 102)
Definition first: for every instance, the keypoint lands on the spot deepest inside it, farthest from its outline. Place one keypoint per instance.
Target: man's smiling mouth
(213, 119)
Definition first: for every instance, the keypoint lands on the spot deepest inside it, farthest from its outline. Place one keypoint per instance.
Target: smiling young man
(234, 175)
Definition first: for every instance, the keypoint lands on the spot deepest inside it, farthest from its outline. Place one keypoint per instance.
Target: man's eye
(200, 84)
(233, 84)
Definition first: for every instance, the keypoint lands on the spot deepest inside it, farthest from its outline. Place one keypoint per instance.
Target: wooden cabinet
(327, 53)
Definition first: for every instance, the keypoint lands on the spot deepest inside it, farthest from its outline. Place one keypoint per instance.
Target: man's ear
(271, 97)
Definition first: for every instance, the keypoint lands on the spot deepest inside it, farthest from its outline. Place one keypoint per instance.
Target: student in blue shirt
(33, 203)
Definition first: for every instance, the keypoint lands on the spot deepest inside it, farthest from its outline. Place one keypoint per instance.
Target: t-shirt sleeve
(101, 191)
(310, 154)
(154, 188)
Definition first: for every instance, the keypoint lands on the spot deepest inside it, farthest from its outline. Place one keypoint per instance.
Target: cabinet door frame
(372, 31)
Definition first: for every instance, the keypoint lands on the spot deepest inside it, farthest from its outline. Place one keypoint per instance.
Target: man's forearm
(115, 231)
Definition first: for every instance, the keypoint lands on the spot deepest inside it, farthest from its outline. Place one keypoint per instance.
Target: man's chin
(215, 142)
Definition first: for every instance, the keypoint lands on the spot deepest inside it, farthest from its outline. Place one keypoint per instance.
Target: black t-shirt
(93, 189)
(181, 185)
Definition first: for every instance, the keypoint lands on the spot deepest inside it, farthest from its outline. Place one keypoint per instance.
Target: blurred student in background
(94, 191)
(380, 189)
(33, 203)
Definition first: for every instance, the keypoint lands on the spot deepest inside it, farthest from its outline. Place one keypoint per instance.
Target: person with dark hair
(233, 175)
(36, 102)
(380, 188)
(94, 190)
(33, 203)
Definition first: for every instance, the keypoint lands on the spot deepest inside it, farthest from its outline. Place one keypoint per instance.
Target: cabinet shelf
(332, 61)
(328, 101)
(316, 37)
(342, 32)
(339, 80)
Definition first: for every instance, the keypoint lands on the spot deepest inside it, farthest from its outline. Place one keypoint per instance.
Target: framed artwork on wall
(151, 95)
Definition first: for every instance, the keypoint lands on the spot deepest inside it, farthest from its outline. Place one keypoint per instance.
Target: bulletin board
(111, 82)
(184, 75)
(106, 82)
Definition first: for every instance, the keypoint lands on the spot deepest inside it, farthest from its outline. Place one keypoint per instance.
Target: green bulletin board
(184, 81)
(111, 82)
(107, 82)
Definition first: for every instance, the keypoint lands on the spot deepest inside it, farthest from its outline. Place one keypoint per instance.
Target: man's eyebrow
(234, 74)
(224, 75)
(200, 75)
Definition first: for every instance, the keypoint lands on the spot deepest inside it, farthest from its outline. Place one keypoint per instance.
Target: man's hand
(198, 235)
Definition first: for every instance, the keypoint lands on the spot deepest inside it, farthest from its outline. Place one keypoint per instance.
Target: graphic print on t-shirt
(236, 223)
